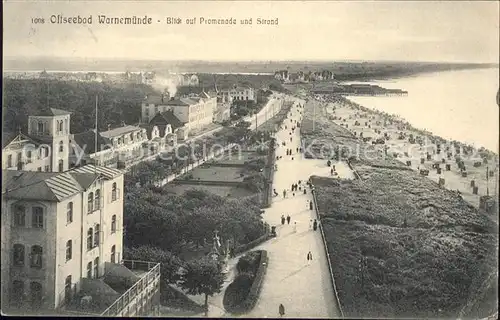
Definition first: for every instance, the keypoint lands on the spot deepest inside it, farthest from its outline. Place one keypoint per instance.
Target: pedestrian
(331, 172)
(275, 193)
(309, 257)
(310, 205)
(290, 139)
(288, 219)
(297, 150)
(284, 193)
(292, 158)
(295, 227)
(310, 224)
(315, 225)
(282, 310)
(283, 219)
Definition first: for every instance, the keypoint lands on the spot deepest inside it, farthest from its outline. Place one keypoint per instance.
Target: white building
(237, 93)
(62, 244)
(195, 111)
(44, 147)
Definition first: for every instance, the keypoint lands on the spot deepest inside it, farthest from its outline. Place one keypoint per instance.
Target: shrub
(242, 294)
(237, 292)
(249, 262)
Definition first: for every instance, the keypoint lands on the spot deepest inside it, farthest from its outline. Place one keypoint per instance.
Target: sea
(458, 105)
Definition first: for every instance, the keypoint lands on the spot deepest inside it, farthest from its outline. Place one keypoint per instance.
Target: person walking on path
(284, 193)
(295, 227)
(310, 205)
(309, 257)
(288, 219)
(282, 219)
(281, 310)
(310, 224)
(315, 225)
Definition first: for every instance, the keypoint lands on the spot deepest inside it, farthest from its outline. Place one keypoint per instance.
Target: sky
(447, 31)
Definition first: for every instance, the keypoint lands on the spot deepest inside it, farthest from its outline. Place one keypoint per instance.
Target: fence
(327, 254)
(152, 275)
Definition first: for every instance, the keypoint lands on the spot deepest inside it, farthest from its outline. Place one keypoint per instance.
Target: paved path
(304, 289)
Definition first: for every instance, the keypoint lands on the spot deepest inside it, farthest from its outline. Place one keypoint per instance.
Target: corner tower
(52, 127)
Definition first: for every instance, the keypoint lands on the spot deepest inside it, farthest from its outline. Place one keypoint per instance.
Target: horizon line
(122, 59)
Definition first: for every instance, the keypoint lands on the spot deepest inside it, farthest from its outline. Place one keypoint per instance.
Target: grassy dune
(400, 245)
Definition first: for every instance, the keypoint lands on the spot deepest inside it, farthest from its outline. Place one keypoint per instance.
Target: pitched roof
(180, 102)
(86, 141)
(34, 185)
(167, 117)
(156, 99)
(9, 137)
(84, 179)
(52, 186)
(108, 173)
(119, 131)
(53, 112)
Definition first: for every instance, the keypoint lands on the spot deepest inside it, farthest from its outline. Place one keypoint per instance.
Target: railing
(153, 274)
(327, 254)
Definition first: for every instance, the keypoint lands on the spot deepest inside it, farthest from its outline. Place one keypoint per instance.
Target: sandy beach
(420, 150)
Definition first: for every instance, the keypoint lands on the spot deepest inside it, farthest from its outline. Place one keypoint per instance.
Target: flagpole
(95, 135)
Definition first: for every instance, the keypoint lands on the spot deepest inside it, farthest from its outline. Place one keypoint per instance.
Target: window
(19, 216)
(90, 203)
(90, 234)
(89, 270)
(97, 235)
(113, 192)
(36, 294)
(28, 156)
(61, 165)
(17, 296)
(36, 256)
(67, 289)
(113, 223)
(60, 126)
(37, 217)
(69, 213)
(61, 146)
(9, 161)
(96, 267)
(18, 255)
(40, 128)
(97, 204)
(66, 125)
(113, 254)
(69, 250)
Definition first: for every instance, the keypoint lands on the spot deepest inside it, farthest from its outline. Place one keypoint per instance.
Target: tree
(169, 263)
(202, 276)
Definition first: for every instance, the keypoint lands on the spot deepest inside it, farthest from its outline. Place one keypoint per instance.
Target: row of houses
(286, 76)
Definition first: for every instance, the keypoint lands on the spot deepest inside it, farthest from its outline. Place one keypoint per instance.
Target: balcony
(131, 288)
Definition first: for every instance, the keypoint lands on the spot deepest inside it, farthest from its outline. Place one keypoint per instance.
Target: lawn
(424, 248)
(223, 191)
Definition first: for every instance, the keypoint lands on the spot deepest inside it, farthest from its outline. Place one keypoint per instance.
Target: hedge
(253, 295)
(243, 293)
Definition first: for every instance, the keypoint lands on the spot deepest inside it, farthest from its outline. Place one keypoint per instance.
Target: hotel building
(62, 244)
(194, 111)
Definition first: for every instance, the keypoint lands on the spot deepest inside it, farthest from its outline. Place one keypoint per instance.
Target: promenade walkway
(303, 288)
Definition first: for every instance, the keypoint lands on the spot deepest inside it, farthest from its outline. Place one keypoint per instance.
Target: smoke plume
(166, 84)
